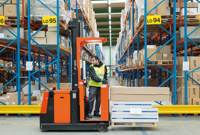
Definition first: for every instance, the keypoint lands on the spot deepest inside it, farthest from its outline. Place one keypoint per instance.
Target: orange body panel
(62, 106)
(104, 103)
(44, 102)
(81, 101)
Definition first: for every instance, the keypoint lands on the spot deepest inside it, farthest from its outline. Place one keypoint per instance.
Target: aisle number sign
(49, 20)
(154, 20)
(2, 20)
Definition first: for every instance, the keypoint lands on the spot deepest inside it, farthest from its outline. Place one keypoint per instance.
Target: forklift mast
(74, 27)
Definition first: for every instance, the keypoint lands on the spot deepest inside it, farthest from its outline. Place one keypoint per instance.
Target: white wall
(107, 55)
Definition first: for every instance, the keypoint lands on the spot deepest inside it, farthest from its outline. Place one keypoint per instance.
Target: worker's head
(95, 60)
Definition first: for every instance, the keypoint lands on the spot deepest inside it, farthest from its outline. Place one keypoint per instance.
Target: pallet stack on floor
(133, 106)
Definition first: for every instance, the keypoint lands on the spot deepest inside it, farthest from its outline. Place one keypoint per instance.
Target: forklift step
(102, 127)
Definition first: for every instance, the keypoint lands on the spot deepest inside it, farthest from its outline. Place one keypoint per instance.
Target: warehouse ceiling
(102, 17)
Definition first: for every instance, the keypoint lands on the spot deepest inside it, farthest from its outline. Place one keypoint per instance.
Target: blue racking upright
(189, 43)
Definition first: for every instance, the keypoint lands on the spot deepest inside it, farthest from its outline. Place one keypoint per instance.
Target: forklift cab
(65, 110)
(104, 93)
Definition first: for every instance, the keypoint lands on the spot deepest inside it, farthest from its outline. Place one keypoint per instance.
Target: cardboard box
(1, 11)
(194, 62)
(141, 98)
(194, 35)
(196, 101)
(10, 10)
(150, 94)
(40, 41)
(12, 98)
(51, 38)
(193, 92)
(150, 50)
(7, 35)
(40, 34)
(14, 1)
(63, 86)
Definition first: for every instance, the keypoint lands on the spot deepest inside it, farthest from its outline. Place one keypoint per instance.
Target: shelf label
(186, 66)
(154, 20)
(2, 35)
(49, 20)
(29, 66)
(2, 20)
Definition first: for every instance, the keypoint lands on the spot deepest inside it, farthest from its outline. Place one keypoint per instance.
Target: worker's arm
(106, 73)
(93, 75)
(105, 79)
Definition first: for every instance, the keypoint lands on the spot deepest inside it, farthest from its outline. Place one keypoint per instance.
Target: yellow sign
(154, 20)
(2, 20)
(198, 17)
(49, 20)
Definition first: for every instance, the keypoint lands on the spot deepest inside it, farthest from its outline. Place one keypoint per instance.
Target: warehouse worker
(98, 76)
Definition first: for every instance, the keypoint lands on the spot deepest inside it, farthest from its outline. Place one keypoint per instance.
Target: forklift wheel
(103, 128)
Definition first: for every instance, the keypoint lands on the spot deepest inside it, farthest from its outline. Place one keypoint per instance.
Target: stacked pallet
(192, 7)
(163, 9)
(133, 114)
(193, 86)
(39, 10)
(8, 9)
(133, 106)
(87, 8)
(155, 54)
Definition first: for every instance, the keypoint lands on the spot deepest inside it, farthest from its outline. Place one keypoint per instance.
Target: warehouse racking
(38, 65)
(162, 35)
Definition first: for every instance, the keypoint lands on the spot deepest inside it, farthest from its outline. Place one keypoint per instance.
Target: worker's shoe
(97, 115)
(89, 115)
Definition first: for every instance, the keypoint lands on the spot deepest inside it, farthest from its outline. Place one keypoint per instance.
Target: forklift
(66, 109)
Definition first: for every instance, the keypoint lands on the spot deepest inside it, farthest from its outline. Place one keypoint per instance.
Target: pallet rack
(50, 62)
(164, 35)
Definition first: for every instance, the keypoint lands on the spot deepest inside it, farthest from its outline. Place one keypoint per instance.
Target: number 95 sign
(49, 20)
(154, 20)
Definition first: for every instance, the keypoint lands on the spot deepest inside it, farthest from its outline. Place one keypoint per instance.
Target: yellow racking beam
(19, 109)
(163, 109)
(178, 109)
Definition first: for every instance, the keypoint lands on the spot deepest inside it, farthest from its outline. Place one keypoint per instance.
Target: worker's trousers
(94, 94)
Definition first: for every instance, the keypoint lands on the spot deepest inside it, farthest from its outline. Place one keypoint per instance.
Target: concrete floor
(166, 126)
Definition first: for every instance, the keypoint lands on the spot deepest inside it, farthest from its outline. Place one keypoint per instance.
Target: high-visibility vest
(100, 71)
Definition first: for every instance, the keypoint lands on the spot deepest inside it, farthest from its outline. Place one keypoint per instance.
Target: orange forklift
(66, 110)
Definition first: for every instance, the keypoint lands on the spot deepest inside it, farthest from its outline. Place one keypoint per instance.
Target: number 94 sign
(154, 20)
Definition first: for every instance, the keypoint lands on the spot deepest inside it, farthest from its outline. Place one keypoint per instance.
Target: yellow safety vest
(100, 71)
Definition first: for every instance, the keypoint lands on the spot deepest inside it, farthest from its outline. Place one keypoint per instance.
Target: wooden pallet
(132, 124)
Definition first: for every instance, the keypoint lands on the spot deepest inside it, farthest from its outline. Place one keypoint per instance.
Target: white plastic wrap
(39, 10)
